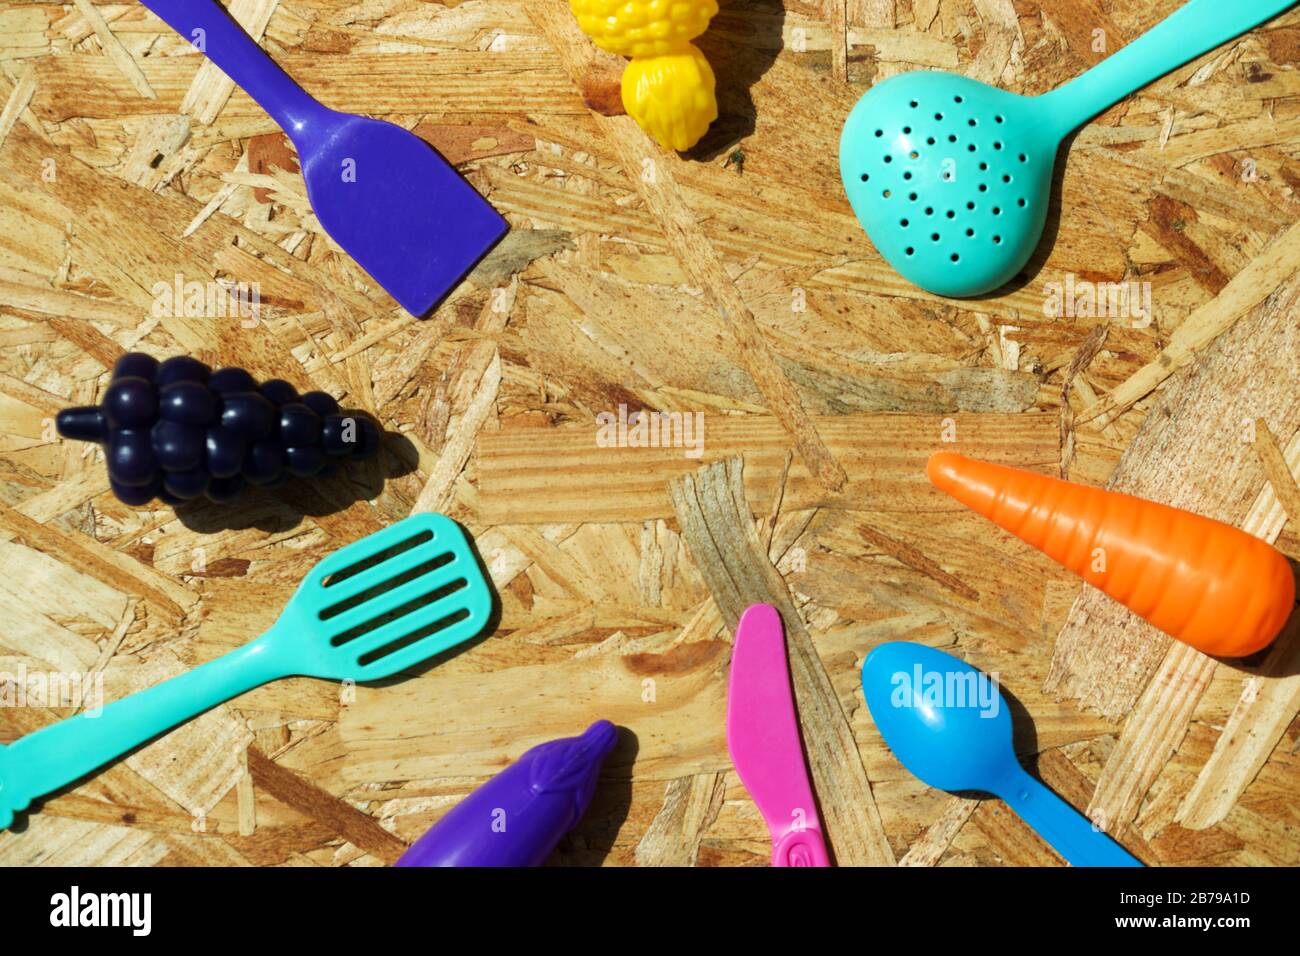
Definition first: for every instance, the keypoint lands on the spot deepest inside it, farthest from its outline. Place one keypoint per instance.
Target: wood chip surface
(679, 385)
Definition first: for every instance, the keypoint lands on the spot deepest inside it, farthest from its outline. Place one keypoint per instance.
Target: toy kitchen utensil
(382, 604)
(1206, 583)
(383, 194)
(948, 723)
(763, 737)
(951, 178)
(518, 817)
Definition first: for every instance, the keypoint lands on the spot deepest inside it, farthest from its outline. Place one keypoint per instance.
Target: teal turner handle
(64, 752)
(1195, 28)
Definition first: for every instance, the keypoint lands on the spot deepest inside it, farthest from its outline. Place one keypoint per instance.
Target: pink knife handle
(764, 740)
(800, 848)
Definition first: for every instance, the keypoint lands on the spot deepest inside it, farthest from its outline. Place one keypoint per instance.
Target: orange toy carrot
(1225, 592)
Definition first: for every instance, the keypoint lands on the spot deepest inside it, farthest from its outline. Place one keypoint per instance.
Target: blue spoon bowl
(948, 723)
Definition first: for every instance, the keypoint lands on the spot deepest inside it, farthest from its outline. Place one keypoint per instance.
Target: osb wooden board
(732, 283)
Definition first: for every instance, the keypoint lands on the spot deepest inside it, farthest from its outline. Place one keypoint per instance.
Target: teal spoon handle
(1193, 29)
(1068, 831)
(64, 752)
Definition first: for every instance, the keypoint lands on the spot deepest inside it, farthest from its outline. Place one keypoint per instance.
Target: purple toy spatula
(383, 194)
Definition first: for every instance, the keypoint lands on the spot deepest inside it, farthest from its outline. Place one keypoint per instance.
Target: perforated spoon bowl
(949, 724)
(381, 605)
(952, 178)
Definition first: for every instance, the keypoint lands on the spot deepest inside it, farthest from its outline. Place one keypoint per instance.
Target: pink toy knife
(763, 737)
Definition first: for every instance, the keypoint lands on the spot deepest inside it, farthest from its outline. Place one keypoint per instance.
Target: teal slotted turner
(952, 178)
(381, 605)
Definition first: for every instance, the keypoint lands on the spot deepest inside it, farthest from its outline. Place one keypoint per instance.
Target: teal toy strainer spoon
(951, 178)
(382, 604)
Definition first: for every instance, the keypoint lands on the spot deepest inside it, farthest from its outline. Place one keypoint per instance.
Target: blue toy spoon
(384, 195)
(949, 724)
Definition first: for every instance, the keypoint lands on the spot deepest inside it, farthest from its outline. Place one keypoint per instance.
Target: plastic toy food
(668, 87)
(518, 817)
(951, 178)
(962, 741)
(177, 430)
(383, 194)
(367, 612)
(1224, 592)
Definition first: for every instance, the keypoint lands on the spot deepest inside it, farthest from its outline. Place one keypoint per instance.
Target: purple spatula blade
(384, 195)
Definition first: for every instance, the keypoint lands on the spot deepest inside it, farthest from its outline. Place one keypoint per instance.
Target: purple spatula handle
(207, 25)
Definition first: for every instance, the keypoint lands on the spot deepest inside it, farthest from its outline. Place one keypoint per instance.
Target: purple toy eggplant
(518, 817)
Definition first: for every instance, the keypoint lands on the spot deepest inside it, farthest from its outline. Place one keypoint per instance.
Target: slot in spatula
(382, 604)
(383, 194)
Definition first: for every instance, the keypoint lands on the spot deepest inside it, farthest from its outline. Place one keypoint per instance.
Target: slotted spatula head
(951, 179)
(386, 603)
(394, 205)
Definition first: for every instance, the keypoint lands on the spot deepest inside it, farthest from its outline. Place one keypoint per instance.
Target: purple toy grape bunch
(176, 430)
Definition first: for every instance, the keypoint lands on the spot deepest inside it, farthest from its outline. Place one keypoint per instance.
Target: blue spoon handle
(1069, 832)
(64, 752)
(216, 34)
(1193, 29)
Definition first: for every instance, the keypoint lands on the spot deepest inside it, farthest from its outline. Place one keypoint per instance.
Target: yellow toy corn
(668, 88)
